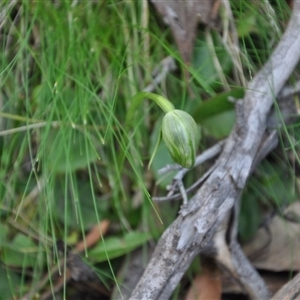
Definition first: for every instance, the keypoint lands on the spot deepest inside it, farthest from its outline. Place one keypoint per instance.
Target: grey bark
(290, 291)
(193, 230)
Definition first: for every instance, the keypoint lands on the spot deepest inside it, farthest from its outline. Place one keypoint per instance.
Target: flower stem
(162, 102)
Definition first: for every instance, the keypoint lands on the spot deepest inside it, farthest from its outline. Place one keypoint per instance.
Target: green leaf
(217, 115)
(161, 159)
(250, 217)
(247, 24)
(80, 207)
(216, 104)
(203, 62)
(9, 283)
(20, 252)
(3, 234)
(68, 150)
(276, 183)
(219, 126)
(116, 247)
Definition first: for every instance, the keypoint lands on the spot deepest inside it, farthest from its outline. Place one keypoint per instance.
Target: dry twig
(194, 229)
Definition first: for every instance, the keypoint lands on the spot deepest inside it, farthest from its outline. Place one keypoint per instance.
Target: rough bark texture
(289, 291)
(194, 229)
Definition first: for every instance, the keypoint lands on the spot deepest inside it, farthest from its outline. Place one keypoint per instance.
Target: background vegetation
(68, 72)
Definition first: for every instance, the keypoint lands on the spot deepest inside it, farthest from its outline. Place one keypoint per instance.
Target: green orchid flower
(178, 130)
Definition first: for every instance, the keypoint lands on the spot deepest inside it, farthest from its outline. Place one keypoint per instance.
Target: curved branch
(291, 290)
(191, 232)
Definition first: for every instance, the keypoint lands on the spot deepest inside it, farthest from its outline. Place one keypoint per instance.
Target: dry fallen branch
(289, 291)
(194, 229)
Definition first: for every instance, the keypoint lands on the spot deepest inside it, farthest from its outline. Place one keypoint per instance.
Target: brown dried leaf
(273, 280)
(277, 249)
(290, 291)
(207, 285)
(183, 17)
(93, 236)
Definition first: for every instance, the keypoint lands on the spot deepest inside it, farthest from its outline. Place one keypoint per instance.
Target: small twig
(4, 12)
(177, 180)
(95, 233)
(33, 232)
(271, 15)
(231, 42)
(160, 73)
(215, 59)
(188, 190)
(202, 158)
(27, 127)
(290, 90)
(182, 192)
(169, 168)
(44, 280)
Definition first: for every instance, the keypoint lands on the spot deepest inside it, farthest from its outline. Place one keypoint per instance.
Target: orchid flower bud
(179, 132)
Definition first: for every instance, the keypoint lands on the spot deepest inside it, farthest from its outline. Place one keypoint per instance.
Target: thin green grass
(68, 74)
(69, 71)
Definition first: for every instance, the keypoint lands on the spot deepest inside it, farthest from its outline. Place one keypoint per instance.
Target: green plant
(67, 161)
(178, 130)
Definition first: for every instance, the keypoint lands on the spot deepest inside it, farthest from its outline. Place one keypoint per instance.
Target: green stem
(162, 102)
(156, 147)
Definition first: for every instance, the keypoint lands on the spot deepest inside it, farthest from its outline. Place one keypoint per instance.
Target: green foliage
(67, 162)
(217, 104)
(68, 151)
(20, 252)
(117, 246)
(161, 159)
(78, 208)
(203, 62)
(250, 216)
(219, 126)
(9, 283)
(271, 187)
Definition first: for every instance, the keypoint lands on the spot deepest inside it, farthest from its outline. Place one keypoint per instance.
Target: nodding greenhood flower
(178, 130)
